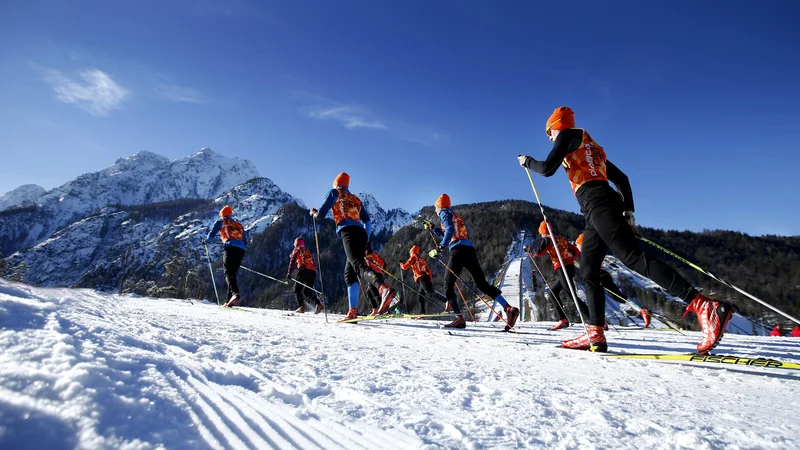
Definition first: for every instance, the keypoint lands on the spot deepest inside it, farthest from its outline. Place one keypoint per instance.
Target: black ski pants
(427, 289)
(464, 257)
(354, 239)
(608, 282)
(561, 286)
(372, 294)
(231, 260)
(606, 229)
(307, 277)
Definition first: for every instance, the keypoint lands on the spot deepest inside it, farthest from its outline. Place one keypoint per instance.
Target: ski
(713, 359)
(395, 316)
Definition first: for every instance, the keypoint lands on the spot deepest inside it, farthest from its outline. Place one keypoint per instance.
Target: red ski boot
(458, 323)
(512, 314)
(351, 314)
(713, 317)
(319, 309)
(563, 323)
(233, 301)
(300, 310)
(447, 307)
(594, 341)
(646, 316)
(389, 298)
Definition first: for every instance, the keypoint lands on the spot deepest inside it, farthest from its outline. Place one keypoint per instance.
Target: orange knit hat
(342, 180)
(543, 228)
(561, 119)
(443, 201)
(226, 211)
(579, 241)
(414, 250)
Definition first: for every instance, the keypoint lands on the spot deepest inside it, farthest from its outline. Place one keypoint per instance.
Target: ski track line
(216, 425)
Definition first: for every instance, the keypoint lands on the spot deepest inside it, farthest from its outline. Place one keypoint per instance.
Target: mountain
(128, 222)
(143, 178)
(141, 239)
(386, 222)
(21, 195)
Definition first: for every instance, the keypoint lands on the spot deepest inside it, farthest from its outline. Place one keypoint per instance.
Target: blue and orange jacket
(347, 210)
(453, 231)
(230, 231)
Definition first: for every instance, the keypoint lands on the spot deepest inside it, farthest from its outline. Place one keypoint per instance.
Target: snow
(82, 369)
(23, 194)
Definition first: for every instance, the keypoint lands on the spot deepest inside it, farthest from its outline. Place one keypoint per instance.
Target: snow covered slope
(22, 194)
(90, 370)
(140, 179)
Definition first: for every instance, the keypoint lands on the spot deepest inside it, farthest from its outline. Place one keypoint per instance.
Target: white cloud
(180, 94)
(97, 94)
(349, 116)
(353, 116)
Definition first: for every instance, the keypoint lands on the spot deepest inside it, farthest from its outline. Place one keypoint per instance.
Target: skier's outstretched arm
(566, 142)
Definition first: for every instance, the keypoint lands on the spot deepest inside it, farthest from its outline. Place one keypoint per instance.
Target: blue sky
(695, 101)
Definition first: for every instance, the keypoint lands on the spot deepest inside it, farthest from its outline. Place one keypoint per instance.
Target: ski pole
(319, 262)
(552, 293)
(266, 276)
(208, 257)
(464, 299)
(617, 297)
(306, 286)
(403, 281)
(476, 294)
(700, 269)
(558, 254)
(404, 284)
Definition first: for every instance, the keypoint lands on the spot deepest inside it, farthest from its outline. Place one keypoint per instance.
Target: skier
(569, 253)
(796, 331)
(776, 331)
(233, 238)
(646, 316)
(606, 279)
(610, 225)
(306, 274)
(422, 276)
(377, 264)
(353, 226)
(453, 232)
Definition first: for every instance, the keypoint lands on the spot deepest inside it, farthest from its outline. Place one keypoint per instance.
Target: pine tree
(19, 272)
(3, 266)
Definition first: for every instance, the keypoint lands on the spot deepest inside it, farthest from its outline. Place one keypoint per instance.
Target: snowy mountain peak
(383, 220)
(22, 194)
(142, 178)
(140, 159)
